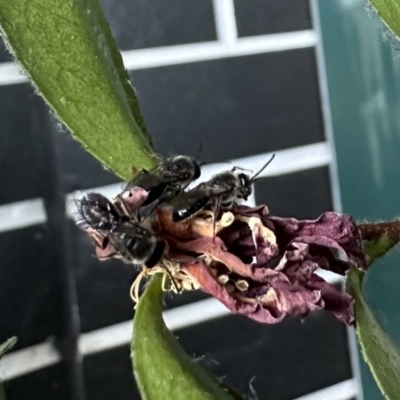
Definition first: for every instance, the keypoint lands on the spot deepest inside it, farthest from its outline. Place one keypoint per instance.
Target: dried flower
(263, 266)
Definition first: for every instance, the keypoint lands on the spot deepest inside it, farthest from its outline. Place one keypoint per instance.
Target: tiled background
(260, 93)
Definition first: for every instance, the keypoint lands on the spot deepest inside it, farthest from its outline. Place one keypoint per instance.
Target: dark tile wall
(140, 24)
(46, 384)
(303, 195)
(103, 287)
(4, 54)
(310, 354)
(237, 106)
(79, 170)
(109, 375)
(30, 304)
(260, 17)
(22, 164)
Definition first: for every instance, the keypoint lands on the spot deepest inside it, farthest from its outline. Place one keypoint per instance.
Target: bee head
(245, 188)
(185, 167)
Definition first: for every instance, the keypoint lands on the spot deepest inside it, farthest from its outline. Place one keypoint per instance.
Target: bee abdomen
(185, 213)
(156, 255)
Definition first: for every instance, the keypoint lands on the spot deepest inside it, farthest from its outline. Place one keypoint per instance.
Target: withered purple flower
(257, 264)
(264, 266)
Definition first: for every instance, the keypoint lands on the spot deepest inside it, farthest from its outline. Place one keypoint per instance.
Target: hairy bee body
(166, 180)
(223, 191)
(132, 242)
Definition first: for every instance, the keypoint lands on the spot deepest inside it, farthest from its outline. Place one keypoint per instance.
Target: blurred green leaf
(380, 353)
(162, 368)
(378, 247)
(66, 48)
(4, 347)
(389, 11)
(7, 346)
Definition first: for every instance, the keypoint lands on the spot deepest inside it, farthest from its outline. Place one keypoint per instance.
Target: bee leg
(111, 255)
(142, 219)
(216, 207)
(170, 276)
(101, 242)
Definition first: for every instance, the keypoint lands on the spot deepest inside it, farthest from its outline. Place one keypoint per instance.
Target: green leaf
(380, 353)
(7, 346)
(378, 247)
(4, 347)
(162, 368)
(389, 11)
(66, 48)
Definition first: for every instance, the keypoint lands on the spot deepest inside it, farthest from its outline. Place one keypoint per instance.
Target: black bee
(189, 203)
(98, 212)
(224, 190)
(132, 242)
(136, 245)
(168, 179)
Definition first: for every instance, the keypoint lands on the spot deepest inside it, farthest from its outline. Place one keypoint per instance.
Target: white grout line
(181, 54)
(285, 162)
(105, 338)
(27, 360)
(355, 361)
(341, 391)
(21, 214)
(10, 74)
(326, 107)
(225, 22)
(275, 42)
(187, 53)
(194, 313)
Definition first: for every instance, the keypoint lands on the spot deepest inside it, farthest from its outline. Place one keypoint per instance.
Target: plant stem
(379, 238)
(390, 229)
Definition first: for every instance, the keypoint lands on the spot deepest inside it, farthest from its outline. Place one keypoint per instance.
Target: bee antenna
(199, 152)
(254, 177)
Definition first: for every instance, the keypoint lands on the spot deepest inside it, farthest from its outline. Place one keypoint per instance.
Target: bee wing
(217, 190)
(145, 179)
(189, 198)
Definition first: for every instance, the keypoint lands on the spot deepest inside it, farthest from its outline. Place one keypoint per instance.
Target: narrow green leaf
(7, 346)
(389, 11)
(162, 368)
(4, 347)
(67, 49)
(380, 353)
(376, 248)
